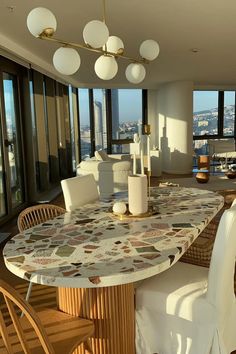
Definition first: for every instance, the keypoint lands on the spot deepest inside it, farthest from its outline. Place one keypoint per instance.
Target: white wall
(170, 113)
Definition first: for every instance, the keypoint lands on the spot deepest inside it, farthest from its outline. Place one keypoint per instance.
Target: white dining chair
(189, 309)
(79, 190)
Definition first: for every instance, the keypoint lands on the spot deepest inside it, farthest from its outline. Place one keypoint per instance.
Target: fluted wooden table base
(112, 311)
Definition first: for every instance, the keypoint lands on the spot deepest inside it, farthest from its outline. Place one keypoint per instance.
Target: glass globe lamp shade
(95, 33)
(114, 45)
(149, 49)
(66, 60)
(39, 19)
(106, 67)
(135, 73)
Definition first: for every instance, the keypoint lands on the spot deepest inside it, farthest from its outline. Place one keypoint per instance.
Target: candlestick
(148, 154)
(134, 164)
(147, 129)
(141, 157)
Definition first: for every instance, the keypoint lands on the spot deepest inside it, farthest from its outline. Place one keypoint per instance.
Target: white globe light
(95, 33)
(135, 73)
(114, 44)
(149, 49)
(106, 67)
(39, 19)
(66, 60)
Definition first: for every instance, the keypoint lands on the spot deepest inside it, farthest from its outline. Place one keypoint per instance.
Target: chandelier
(42, 24)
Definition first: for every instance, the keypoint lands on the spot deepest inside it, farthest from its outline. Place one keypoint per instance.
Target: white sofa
(111, 176)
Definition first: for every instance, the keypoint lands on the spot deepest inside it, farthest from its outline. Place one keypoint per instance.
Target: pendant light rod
(104, 11)
(46, 37)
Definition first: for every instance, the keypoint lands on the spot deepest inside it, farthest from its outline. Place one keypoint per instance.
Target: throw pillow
(101, 155)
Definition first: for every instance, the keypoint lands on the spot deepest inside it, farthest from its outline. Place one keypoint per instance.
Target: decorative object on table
(119, 208)
(230, 174)
(136, 138)
(42, 24)
(168, 184)
(203, 170)
(137, 194)
(152, 210)
(147, 132)
(202, 176)
(135, 150)
(233, 167)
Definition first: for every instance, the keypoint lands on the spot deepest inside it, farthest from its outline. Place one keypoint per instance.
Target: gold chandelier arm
(96, 50)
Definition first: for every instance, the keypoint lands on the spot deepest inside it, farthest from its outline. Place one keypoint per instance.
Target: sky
(130, 104)
(203, 100)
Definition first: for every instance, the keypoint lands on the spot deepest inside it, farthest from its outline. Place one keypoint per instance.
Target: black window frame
(220, 134)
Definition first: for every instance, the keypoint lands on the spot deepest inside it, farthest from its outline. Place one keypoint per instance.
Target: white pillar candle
(141, 157)
(137, 194)
(134, 164)
(148, 154)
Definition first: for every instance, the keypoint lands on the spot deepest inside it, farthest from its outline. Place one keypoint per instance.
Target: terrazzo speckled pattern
(90, 247)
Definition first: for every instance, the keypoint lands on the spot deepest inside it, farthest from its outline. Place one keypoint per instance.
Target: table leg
(112, 311)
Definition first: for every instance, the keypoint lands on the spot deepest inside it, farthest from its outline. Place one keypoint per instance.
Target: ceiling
(177, 25)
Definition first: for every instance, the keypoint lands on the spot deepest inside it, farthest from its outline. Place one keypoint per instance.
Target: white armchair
(111, 176)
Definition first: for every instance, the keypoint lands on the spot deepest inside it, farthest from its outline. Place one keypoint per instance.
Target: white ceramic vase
(137, 194)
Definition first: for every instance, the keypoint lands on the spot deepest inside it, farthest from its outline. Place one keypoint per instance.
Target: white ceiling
(177, 25)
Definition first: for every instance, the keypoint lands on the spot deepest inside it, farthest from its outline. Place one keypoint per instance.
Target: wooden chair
(47, 331)
(35, 215)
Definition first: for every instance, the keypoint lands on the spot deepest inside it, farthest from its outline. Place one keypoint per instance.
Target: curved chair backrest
(12, 298)
(79, 190)
(38, 214)
(220, 290)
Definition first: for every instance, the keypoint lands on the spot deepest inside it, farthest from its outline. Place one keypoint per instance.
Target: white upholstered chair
(79, 190)
(189, 309)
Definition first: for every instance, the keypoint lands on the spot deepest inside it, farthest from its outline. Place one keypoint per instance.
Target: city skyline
(130, 104)
(208, 100)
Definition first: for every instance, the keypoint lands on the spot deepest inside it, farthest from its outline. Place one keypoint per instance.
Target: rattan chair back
(38, 214)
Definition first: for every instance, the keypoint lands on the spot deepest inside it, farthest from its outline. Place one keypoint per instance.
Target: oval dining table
(94, 257)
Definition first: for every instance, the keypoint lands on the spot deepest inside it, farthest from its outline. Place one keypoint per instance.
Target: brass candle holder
(147, 131)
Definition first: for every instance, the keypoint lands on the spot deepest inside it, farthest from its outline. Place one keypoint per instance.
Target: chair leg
(87, 346)
(27, 295)
(29, 291)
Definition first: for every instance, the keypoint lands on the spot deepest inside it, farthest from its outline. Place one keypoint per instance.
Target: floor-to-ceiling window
(229, 114)
(127, 117)
(12, 183)
(109, 119)
(85, 123)
(2, 180)
(100, 119)
(12, 141)
(213, 117)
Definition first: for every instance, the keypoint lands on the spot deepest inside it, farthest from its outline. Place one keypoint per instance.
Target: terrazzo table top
(90, 247)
